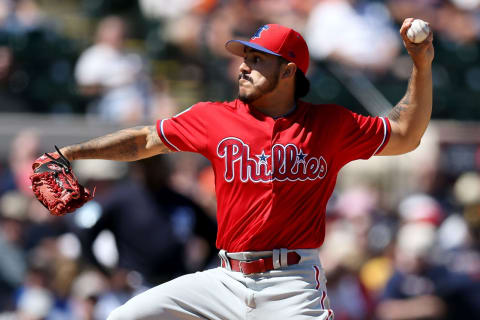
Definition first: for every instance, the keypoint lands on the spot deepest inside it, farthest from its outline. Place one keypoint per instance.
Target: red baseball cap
(277, 40)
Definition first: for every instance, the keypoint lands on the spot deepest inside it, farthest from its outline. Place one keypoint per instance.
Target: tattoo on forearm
(153, 137)
(120, 145)
(154, 140)
(396, 112)
(402, 105)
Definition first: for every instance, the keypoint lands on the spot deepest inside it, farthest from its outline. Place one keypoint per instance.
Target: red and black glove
(56, 186)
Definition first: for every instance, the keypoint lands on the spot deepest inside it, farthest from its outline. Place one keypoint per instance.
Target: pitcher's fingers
(427, 42)
(405, 26)
(430, 36)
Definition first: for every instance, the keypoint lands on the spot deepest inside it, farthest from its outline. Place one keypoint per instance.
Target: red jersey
(273, 177)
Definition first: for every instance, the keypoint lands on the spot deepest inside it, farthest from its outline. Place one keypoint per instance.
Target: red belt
(260, 265)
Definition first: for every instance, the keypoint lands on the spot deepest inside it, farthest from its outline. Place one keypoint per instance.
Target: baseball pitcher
(276, 160)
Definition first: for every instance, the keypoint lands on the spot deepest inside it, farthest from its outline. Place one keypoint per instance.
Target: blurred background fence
(402, 232)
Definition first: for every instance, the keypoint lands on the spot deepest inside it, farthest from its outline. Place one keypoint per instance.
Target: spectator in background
(158, 232)
(10, 101)
(13, 210)
(23, 150)
(172, 10)
(116, 77)
(164, 104)
(366, 40)
(413, 292)
(420, 207)
(346, 248)
(38, 297)
(36, 75)
(455, 19)
(458, 20)
(423, 9)
(19, 16)
(420, 288)
(87, 288)
(459, 238)
(34, 304)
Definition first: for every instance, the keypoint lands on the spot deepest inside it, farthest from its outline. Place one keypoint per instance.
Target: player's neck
(275, 105)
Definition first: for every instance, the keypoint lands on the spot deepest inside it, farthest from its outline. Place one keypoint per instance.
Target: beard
(257, 92)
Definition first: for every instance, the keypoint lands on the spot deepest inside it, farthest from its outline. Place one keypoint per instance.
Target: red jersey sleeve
(185, 131)
(362, 136)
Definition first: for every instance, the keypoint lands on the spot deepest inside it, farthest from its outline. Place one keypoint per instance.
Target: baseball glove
(55, 185)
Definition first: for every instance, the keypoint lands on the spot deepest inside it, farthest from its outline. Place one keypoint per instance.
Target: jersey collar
(292, 110)
(263, 117)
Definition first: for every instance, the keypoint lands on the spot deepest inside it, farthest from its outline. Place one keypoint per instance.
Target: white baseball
(418, 31)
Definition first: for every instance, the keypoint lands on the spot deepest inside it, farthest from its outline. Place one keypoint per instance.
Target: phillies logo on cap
(259, 31)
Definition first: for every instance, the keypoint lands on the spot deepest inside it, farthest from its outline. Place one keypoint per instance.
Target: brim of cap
(237, 47)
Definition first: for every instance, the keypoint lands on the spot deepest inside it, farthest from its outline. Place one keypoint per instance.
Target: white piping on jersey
(384, 135)
(178, 114)
(165, 137)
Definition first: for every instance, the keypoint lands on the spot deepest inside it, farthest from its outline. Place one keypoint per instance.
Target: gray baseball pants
(294, 292)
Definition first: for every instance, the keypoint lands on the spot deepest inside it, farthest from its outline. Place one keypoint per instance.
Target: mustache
(245, 77)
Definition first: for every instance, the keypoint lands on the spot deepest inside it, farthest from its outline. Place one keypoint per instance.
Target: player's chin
(243, 93)
(245, 97)
(248, 94)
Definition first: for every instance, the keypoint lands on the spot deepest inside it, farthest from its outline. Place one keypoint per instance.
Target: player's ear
(289, 70)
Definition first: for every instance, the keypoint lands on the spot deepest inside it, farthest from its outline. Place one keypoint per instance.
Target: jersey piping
(162, 136)
(385, 136)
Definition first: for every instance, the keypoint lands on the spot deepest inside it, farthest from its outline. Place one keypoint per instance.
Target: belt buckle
(244, 267)
(255, 266)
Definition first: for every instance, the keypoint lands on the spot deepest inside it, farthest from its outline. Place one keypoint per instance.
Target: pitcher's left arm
(409, 118)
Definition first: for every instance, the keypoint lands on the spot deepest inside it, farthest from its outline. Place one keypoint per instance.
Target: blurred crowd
(129, 62)
(139, 231)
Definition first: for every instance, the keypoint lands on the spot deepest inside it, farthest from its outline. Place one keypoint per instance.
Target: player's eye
(252, 59)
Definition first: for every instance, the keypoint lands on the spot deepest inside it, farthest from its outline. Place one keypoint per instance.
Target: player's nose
(244, 68)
